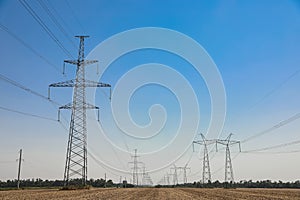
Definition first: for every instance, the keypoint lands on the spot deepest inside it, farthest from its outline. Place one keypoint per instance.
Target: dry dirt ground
(153, 193)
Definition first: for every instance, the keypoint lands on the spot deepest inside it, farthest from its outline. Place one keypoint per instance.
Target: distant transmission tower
(184, 173)
(135, 176)
(228, 164)
(76, 158)
(175, 175)
(146, 179)
(135, 173)
(206, 175)
(167, 179)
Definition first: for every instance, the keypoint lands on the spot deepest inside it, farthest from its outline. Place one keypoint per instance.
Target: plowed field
(153, 193)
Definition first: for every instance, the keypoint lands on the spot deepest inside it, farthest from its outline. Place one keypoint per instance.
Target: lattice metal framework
(136, 168)
(175, 175)
(76, 158)
(206, 174)
(229, 178)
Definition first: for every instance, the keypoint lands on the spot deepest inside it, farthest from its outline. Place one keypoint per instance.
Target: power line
(45, 27)
(27, 114)
(280, 124)
(276, 152)
(276, 88)
(55, 21)
(75, 15)
(60, 18)
(4, 28)
(19, 85)
(273, 147)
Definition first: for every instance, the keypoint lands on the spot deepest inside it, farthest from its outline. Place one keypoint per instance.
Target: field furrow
(153, 194)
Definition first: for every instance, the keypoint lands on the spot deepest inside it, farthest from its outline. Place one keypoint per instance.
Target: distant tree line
(56, 183)
(109, 183)
(241, 184)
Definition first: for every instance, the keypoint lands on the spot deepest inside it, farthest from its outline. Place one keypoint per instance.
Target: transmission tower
(175, 176)
(228, 164)
(76, 158)
(146, 179)
(206, 175)
(144, 176)
(135, 177)
(184, 169)
(167, 178)
(184, 174)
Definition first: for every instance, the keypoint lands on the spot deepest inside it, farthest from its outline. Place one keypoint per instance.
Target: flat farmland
(152, 193)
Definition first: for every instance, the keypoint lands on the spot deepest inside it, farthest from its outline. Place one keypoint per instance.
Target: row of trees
(102, 183)
(54, 183)
(241, 184)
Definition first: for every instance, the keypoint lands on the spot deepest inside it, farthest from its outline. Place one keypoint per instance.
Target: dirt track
(154, 193)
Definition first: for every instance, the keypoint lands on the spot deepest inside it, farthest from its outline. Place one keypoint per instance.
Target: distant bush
(73, 183)
(241, 184)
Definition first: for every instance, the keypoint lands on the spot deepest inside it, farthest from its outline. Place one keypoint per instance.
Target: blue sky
(254, 44)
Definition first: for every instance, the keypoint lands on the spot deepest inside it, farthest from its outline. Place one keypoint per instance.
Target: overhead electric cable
(45, 27)
(19, 85)
(56, 22)
(27, 114)
(274, 146)
(4, 28)
(282, 123)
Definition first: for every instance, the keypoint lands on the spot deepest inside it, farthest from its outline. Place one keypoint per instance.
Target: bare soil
(152, 193)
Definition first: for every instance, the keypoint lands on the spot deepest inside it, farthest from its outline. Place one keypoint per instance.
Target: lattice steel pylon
(76, 158)
(184, 174)
(184, 169)
(229, 178)
(135, 177)
(228, 166)
(175, 175)
(135, 169)
(206, 174)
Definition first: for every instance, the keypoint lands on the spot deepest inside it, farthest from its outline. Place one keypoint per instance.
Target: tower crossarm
(204, 141)
(87, 83)
(228, 143)
(201, 142)
(72, 83)
(225, 142)
(78, 62)
(70, 106)
(69, 83)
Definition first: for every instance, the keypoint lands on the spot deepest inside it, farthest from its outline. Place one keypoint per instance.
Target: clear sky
(254, 44)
